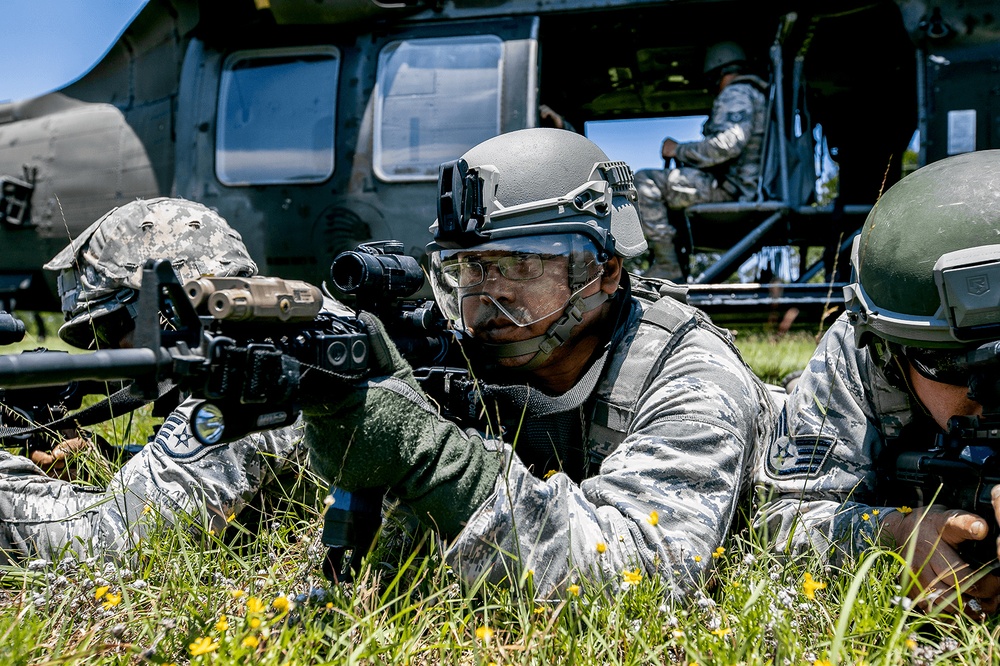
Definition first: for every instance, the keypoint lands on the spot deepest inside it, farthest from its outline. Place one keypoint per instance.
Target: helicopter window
(436, 98)
(276, 116)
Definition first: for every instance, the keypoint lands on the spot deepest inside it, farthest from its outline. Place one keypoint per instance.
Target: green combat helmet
(100, 272)
(926, 265)
(531, 193)
(723, 54)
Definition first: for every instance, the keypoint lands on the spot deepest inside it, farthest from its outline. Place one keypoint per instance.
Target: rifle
(34, 419)
(252, 348)
(958, 468)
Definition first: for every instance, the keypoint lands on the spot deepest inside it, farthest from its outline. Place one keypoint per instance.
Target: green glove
(385, 433)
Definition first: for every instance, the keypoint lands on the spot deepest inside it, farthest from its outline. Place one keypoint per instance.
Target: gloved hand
(385, 433)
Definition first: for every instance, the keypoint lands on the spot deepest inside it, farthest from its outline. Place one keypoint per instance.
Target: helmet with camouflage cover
(100, 272)
(926, 264)
(538, 194)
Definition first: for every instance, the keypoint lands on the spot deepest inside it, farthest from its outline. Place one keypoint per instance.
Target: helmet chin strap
(543, 345)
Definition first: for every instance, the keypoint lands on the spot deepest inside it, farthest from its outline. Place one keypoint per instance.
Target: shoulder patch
(175, 439)
(737, 117)
(801, 456)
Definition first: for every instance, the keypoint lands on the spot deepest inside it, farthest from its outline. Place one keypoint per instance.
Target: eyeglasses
(947, 366)
(471, 271)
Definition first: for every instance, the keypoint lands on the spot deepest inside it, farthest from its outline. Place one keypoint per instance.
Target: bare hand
(54, 463)
(669, 149)
(942, 575)
(546, 114)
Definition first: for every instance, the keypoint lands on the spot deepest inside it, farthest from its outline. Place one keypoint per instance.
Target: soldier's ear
(612, 275)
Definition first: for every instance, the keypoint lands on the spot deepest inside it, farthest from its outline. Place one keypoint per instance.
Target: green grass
(237, 597)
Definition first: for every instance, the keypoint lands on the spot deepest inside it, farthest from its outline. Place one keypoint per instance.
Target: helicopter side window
(276, 116)
(435, 99)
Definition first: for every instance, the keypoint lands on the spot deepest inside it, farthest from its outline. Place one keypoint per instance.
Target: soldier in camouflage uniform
(885, 376)
(724, 166)
(623, 425)
(173, 475)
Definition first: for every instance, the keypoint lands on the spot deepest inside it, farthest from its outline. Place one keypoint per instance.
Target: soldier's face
(496, 310)
(942, 400)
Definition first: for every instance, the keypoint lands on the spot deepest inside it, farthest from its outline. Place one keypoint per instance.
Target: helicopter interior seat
(786, 188)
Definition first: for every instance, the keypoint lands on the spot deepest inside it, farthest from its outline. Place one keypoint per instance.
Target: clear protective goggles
(519, 280)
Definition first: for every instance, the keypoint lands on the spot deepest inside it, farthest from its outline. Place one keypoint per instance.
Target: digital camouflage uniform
(670, 427)
(819, 478)
(172, 476)
(100, 275)
(724, 166)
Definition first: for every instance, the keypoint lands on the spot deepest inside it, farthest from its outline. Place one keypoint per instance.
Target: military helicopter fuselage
(315, 125)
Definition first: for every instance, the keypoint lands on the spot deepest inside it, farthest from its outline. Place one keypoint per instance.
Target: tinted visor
(516, 281)
(948, 366)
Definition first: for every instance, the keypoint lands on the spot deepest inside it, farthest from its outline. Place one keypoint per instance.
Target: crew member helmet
(926, 264)
(521, 201)
(724, 55)
(100, 272)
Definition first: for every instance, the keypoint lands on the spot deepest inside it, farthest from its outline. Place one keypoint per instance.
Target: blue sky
(49, 43)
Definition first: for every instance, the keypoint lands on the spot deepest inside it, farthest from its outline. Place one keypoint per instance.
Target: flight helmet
(519, 205)
(100, 272)
(926, 264)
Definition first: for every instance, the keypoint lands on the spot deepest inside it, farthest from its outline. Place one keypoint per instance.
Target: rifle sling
(118, 403)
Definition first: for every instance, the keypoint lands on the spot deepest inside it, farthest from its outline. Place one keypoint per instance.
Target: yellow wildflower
(697, 558)
(910, 643)
(539, 610)
(654, 517)
(718, 552)
(254, 622)
(574, 590)
(251, 642)
(147, 509)
(222, 624)
(549, 474)
(231, 517)
(601, 547)
(905, 510)
(678, 633)
(255, 605)
(809, 586)
(111, 600)
(875, 512)
(822, 662)
(632, 577)
(329, 605)
(865, 517)
(280, 604)
(101, 591)
(721, 631)
(203, 645)
(484, 633)
(236, 594)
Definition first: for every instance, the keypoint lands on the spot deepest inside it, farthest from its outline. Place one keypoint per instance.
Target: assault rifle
(253, 348)
(958, 468)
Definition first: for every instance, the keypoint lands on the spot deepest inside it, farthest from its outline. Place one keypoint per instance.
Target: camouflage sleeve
(175, 475)
(172, 476)
(817, 480)
(661, 503)
(727, 130)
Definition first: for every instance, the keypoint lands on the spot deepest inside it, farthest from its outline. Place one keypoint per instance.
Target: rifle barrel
(36, 369)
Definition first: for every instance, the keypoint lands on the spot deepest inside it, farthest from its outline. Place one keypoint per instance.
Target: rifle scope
(378, 269)
(11, 329)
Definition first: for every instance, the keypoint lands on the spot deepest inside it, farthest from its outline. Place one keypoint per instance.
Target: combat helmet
(532, 193)
(926, 264)
(722, 55)
(100, 272)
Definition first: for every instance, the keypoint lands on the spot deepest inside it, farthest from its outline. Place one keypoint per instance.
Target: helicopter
(315, 125)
